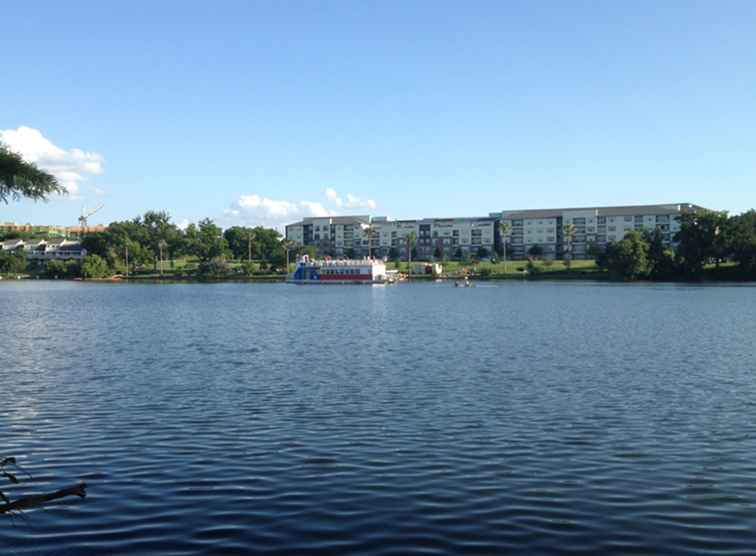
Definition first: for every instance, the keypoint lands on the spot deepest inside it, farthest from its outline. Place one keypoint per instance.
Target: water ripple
(518, 418)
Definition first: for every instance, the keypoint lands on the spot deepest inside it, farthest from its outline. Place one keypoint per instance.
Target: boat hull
(334, 282)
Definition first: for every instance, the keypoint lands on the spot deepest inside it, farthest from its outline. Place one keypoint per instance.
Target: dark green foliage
(62, 269)
(393, 254)
(265, 243)
(19, 178)
(12, 263)
(742, 240)
(535, 251)
(213, 268)
(482, 252)
(627, 259)
(206, 241)
(701, 239)
(55, 269)
(94, 266)
(311, 251)
(661, 259)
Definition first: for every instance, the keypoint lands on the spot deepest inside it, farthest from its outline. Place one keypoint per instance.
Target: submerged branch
(27, 502)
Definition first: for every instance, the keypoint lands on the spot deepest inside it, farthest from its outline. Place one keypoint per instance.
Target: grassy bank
(187, 270)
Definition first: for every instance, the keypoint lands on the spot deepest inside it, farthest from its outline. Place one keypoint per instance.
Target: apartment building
(45, 250)
(382, 237)
(331, 235)
(559, 232)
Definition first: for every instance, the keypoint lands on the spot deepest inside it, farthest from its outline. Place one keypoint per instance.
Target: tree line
(153, 240)
(705, 238)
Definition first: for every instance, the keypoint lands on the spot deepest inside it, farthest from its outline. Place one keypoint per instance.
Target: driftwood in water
(27, 502)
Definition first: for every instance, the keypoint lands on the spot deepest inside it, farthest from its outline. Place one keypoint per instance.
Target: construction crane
(85, 214)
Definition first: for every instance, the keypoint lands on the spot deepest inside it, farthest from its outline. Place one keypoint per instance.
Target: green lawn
(507, 268)
(500, 269)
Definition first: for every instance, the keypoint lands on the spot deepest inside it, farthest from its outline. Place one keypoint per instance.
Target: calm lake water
(533, 418)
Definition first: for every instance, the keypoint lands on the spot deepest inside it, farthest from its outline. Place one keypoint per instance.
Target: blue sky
(247, 112)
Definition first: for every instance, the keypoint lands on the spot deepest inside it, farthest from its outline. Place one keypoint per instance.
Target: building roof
(12, 243)
(73, 247)
(352, 219)
(629, 210)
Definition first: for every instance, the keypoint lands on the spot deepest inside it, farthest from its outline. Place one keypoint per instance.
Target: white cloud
(332, 196)
(355, 202)
(256, 210)
(70, 166)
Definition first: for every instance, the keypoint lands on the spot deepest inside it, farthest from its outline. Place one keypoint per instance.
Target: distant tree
(94, 266)
(535, 251)
(207, 241)
(458, 254)
(569, 231)
(501, 248)
(19, 178)
(213, 268)
(393, 254)
(369, 231)
(249, 268)
(661, 259)
(410, 241)
(594, 250)
(482, 252)
(742, 240)
(73, 268)
(701, 238)
(438, 252)
(161, 236)
(12, 263)
(627, 259)
(241, 242)
(349, 253)
(55, 269)
(269, 244)
(310, 251)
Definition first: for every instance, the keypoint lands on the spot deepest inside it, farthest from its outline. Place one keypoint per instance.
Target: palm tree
(569, 236)
(368, 229)
(288, 246)
(411, 241)
(504, 228)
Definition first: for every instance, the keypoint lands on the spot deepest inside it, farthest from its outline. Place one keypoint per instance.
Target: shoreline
(275, 279)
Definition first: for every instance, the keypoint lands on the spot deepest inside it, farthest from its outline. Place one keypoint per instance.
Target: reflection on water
(237, 418)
